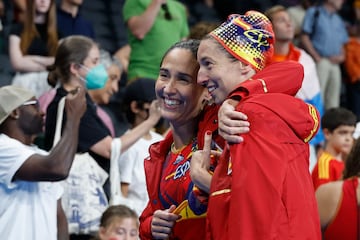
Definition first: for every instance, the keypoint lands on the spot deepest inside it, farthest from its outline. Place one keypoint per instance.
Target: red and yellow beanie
(249, 38)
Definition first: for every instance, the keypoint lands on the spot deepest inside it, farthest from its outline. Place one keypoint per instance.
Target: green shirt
(146, 54)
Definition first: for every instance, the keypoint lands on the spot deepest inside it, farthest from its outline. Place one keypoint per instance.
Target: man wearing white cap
(30, 203)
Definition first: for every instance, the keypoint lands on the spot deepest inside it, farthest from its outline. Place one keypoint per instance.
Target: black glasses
(166, 10)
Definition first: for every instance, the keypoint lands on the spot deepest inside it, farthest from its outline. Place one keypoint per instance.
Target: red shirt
(345, 223)
(168, 182)
(327, 169)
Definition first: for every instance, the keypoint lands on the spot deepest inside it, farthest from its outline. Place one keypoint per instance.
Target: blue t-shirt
(327, 31)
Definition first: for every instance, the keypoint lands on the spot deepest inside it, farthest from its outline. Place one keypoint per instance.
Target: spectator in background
(339, 201)
(338, 125)
(153, 26)
(30, 206)
(119, 223)
(100, 97)
(352, 68)
(318, 37)
(77, 62)
(70, 22)
(297, 14)
(138, 96)
(32, 46)
(103, 95)
(284, 49)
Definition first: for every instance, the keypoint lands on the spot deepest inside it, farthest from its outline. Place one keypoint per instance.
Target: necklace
(184, 152)
(174, 150)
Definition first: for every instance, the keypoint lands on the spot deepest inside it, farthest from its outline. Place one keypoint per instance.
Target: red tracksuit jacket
(261, 188)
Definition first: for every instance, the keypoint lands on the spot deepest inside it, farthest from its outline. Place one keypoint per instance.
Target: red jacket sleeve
(280, 77)
(145, 223)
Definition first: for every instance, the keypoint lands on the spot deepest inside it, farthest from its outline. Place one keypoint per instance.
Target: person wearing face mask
(77, 62)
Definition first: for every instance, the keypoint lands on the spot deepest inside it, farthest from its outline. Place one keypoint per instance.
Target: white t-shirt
(28, 210)
(131, 167)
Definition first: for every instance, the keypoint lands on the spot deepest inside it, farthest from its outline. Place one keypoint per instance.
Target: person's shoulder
(330, 192)
(6, 141)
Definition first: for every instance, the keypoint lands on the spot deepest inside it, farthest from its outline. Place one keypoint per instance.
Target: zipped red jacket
(261, 188)
(186, 228)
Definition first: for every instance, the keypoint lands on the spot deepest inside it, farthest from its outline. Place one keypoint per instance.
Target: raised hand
(75, 104)
(200, 164)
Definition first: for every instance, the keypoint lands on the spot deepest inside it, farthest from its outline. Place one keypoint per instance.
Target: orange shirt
(352, 59)
(294, 55)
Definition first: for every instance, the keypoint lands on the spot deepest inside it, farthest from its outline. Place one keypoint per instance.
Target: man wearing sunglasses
(30, 197)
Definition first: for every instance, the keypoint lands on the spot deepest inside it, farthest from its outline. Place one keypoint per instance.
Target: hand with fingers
(200, 164)
(154, 111)
(75, 104)
(163, 222)
(232, 123)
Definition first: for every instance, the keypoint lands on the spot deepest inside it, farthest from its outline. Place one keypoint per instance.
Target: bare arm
(103, 147)
(141, 25)
(328, 197)
(338, 59)
(56, 165)
(26, 63)
(305, 40)
(125, 189)
(62, 225)
(130, 137)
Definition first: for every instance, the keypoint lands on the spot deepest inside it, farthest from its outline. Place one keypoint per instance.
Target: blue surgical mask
(96, 77)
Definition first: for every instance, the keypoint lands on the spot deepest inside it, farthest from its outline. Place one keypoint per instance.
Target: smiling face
(218, 72)
(179, 95)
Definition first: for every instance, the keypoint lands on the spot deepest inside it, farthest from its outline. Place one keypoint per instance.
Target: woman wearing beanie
(261, 188)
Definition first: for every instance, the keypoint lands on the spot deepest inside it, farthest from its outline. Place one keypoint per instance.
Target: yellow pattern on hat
(248, 37)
